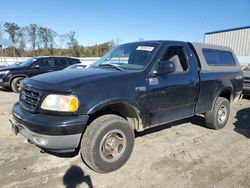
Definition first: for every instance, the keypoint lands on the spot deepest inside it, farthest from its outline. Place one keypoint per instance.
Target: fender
(14, 76)
(111, 101)
(126, 101)
(224, 89)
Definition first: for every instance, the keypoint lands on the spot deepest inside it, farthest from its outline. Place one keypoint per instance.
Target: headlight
(61, 103)
(4, 72)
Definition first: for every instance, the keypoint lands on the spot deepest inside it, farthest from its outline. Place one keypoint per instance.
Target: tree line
(35, 40)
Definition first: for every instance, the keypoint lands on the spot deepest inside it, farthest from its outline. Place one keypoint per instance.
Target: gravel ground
(180, 154)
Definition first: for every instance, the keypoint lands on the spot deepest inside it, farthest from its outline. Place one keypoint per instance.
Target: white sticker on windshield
(145, 48)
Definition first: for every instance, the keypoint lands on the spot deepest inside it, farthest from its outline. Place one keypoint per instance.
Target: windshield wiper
(111, 65)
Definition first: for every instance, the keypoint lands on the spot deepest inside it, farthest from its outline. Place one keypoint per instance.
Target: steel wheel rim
(222, 114)
(19, 84)
(113, 145)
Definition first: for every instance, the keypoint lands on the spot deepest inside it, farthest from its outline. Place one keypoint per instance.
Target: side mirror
(164, 67)
(36, 67)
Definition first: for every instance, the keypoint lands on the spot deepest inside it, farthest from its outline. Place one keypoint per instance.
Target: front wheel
(17, 84)
(217, 118)
(107, 143)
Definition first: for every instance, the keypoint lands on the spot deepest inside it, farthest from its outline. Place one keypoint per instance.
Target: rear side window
(70, 62)
(73, 61)
(76, 60)
(227, 58)
(60, 62)
(218, 57)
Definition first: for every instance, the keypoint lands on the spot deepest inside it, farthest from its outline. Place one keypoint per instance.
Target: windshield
(247, 68)
(26, 63)
(134, 56)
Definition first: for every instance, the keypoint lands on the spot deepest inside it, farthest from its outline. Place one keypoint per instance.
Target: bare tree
(72, 42)
(32, 30)
(21, 40)
(1, 45)
(11, 29)
(44, 36)
(61, 40)
(45, 41)
(1, 31)
(115, 42)
(51, 36)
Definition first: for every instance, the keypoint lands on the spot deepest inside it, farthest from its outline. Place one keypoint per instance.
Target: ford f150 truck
(133, 87)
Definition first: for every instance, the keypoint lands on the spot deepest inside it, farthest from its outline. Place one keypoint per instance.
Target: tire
(107, 143)
(16, 84)
(217, 118)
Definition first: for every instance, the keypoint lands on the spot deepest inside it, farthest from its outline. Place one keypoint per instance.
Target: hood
(246, 74)
(10, 67)
(65, 80)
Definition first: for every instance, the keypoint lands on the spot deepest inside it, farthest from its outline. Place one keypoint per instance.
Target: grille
(29, 98)
(246, 82)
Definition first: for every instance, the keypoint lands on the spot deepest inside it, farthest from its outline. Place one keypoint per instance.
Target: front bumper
(50, 132)
(5, 84)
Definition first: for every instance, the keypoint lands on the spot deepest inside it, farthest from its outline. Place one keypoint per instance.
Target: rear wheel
(107, 143)
(217, 118)
(17, 84)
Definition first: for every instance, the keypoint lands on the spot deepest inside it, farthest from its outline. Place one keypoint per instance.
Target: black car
(12, 76)
(246, 85)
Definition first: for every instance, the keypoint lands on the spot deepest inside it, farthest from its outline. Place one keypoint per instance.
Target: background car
(12, 76)
(246, 84)
(77, 66)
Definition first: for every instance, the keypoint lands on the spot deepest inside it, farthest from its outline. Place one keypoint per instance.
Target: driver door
(172, 96)
(42, 66)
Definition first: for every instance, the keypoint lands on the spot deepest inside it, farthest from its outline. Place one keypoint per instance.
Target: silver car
(246, 84)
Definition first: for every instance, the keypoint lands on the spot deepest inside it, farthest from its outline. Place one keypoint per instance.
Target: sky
(98, 21)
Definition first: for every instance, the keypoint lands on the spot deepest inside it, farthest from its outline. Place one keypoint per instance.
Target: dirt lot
(182, 154)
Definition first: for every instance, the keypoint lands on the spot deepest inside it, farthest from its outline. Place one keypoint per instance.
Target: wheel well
(121, 109)
(18, 76)
(226, 94)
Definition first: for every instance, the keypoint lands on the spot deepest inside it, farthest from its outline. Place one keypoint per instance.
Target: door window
(176, 54)
(43, 63)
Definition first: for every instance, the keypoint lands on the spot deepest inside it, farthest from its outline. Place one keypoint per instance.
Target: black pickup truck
(133, 87)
